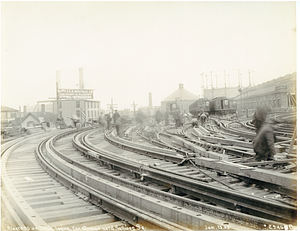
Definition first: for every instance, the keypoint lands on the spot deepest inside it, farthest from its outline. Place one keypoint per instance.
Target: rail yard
(151, 177)
(211, 163)
(149, 115)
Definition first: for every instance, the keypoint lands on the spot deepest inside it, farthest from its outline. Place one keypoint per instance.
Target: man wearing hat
(263, 143)
(116, 116)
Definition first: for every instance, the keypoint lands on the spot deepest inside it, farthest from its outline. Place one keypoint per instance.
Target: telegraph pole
(57, 99)
(112, 106)
(212, 87)
(225, 83)
(249, 78)
(134, 106)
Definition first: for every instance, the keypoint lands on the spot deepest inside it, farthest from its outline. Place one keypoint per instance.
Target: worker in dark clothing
(101, 121)
(176, 116)
(166, 118)
(118, 125)
(194, 122)
(263, 143)
(116, 116)
(203, 118)
(158, 116)
(108, 120)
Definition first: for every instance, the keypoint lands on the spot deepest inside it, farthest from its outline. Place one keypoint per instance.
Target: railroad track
(147, 173)
(182, 203)
(274, 175)
(32, 200)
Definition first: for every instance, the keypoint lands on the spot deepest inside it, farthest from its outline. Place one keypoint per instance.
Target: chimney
(150, 99)
(58, 79)
(25, 109)
(180, 86)
(81, 84)
(43, 108)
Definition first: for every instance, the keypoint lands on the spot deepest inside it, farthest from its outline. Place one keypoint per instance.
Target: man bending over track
(263, 143)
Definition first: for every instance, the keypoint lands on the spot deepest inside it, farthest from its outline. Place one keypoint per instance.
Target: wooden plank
(285, 180)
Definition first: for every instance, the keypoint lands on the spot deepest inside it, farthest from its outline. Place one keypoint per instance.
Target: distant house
(181, 98)
(30, 120)
(8, 114)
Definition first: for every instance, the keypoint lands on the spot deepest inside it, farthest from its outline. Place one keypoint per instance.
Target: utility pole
(57, 99)
(239, 78)
(212, 87)
(241, 92)
(249, 78)
(225, 83)
(134, 105)
(112, 106)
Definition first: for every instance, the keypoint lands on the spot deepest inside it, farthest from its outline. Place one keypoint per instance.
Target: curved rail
(228, 197)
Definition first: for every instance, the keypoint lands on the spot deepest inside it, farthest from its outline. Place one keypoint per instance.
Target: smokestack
(150, 99)
(58, 79)
(81, 84)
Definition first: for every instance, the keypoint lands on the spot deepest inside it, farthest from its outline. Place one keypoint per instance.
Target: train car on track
(218, 105)
(222, 105)
(200, 105)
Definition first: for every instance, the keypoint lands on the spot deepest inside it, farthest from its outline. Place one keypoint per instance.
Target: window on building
(60, 105)
(78, 113)
(60, 114)
(77, 104)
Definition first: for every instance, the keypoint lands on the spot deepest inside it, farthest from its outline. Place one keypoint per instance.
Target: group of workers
(180, 118)
(263, 143)
(105, 121)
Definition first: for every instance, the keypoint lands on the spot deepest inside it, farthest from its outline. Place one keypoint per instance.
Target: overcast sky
(128, 49)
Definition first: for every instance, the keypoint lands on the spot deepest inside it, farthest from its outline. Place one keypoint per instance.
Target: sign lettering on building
(75, 94)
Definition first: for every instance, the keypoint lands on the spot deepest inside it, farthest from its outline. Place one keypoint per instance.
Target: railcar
(222, 105)
(200, 105)
(218, 105)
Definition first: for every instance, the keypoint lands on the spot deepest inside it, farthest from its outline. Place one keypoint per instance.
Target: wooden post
(292, 141)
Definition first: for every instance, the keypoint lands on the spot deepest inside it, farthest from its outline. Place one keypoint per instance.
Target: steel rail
(25, 214)
(80, 181)
(209, 147)
(17, 210)
(286, 185)
(229, 215)
(228, 198)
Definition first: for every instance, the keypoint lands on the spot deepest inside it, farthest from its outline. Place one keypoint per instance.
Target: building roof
(181, 94)
(287, 81)
(8, 109)
(30, 114)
